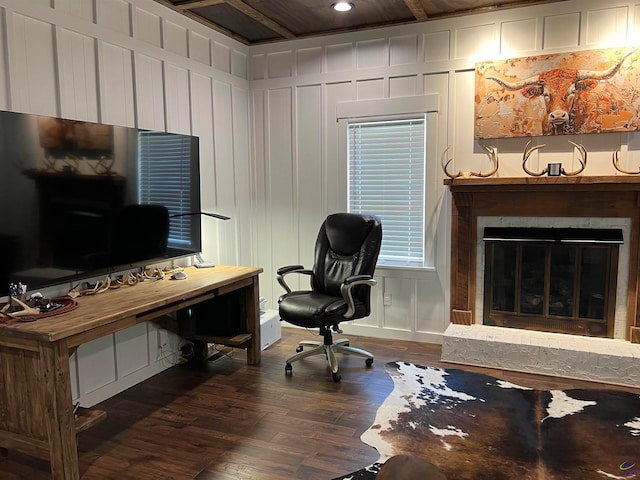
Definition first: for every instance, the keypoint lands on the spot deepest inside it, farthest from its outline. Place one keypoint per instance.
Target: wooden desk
(36, 411)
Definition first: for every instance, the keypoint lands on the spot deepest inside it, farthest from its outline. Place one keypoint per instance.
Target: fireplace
(551, 279)
(585, 325)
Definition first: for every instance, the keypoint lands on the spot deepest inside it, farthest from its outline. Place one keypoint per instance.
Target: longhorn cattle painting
(591, 91)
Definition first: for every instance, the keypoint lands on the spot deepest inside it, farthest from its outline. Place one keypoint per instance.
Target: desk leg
(252, 321)
(59, 419)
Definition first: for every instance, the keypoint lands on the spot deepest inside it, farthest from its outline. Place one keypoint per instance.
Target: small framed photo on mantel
(553, 169)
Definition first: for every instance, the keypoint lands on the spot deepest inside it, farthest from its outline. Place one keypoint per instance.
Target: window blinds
(164, 178)
(387, 178)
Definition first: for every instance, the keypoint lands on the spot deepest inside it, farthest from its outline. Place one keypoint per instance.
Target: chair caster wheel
(336, 377)
(288, 369)
(299, 348)
(368, 362)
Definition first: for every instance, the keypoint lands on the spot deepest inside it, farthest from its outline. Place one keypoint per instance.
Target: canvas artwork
(591, 91)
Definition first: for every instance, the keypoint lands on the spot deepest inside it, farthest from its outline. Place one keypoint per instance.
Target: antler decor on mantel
(616, 163)
(528, 151)
(492, 152)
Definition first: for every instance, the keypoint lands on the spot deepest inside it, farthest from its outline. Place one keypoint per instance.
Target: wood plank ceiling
(262, 21)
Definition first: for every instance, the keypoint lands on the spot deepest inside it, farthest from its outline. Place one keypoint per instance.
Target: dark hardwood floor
(233, 421)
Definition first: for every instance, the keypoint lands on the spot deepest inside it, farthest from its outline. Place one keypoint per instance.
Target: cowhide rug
(475, 426)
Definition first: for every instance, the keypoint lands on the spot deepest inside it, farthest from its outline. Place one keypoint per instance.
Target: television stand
(34, 356)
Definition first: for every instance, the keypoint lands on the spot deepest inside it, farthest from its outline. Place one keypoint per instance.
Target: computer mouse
(179, 276)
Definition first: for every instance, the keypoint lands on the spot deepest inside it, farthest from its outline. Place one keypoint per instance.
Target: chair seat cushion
(312, 309)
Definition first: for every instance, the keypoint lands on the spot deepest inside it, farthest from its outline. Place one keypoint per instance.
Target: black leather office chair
(345, 258)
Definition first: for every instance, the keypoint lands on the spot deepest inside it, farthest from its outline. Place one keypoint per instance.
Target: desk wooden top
(97, 315)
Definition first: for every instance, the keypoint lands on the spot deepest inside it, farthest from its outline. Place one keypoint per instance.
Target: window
(386, 177)
(164, 176)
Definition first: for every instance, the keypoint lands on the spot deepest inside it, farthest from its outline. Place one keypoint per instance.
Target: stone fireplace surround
(545, 202)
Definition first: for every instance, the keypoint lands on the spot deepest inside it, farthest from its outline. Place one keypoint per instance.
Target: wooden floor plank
(230, 420)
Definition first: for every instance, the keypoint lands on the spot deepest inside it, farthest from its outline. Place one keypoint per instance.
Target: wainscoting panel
(115, 15)
(175, 38)
(280, 64)
(562, 31)
(437, 46)
(224, 181)
(221, 57)
(132, 349)
(116, 85)
(309, 61)
(77, 75)
(97, 365)
(177, 97)
(32, 65)
(150, 92)
(475, 42)
(147, 26)
(199, 48)
(310, 170)
(606, 25)
(78, 8)
(403, 50)
(242, 179)
(520, 35)
(372, 53)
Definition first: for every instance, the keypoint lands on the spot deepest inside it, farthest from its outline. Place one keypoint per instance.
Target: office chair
(345, 258)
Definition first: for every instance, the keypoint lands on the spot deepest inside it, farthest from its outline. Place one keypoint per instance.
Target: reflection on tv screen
(83, 199)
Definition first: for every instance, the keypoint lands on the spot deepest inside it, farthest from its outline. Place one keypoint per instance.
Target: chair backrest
(347, 244)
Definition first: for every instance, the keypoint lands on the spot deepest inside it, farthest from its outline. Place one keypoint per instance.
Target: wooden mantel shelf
(591, 183)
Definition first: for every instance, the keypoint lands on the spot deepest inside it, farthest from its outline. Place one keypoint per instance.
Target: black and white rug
(475, 426)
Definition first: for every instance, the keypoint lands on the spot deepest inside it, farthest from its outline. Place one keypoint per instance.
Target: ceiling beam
(260, 18)
(197, 4)
(417, 10)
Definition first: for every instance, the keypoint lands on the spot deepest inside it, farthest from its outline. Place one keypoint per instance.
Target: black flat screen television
(82, 199)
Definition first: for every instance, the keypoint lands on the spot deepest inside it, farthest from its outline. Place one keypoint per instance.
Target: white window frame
(398, 109)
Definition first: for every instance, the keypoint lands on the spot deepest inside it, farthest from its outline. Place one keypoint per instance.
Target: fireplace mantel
(576, 183)
(578, 196)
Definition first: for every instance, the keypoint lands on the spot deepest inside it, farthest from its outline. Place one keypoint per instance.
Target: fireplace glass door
(551, 286)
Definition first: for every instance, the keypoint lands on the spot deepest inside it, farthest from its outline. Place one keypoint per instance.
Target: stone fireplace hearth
(611, 202)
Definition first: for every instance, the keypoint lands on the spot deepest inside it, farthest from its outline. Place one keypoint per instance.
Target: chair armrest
(358, 278)
(346, 287)
(282, 271)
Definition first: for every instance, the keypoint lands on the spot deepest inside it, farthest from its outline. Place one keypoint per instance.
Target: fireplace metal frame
(546, 321)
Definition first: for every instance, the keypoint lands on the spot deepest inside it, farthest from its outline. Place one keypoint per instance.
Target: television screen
(81, 199)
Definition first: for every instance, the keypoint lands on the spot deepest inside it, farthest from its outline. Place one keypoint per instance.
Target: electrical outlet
(163, 338)
(386, 299)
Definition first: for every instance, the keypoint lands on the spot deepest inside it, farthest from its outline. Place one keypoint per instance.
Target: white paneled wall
(299, 155)
(272, 153)
(136, 63)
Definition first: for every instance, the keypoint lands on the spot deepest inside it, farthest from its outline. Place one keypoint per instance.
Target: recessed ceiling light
(342, 6)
